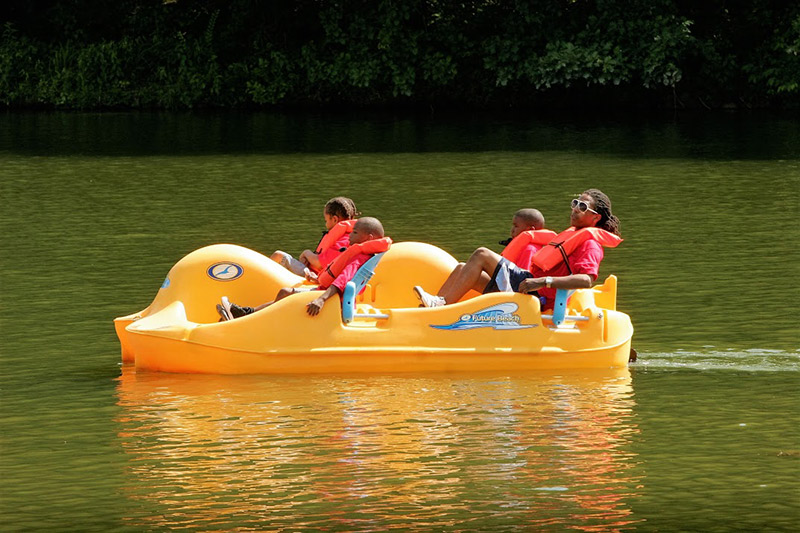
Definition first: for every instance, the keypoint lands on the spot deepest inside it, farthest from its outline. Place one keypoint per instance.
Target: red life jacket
(518, 243)
(329, 273)
(335, 233)
(567, 241)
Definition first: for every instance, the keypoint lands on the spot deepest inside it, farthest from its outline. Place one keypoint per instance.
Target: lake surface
(701, 434)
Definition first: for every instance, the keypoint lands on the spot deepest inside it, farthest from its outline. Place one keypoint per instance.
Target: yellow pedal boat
(383, 329)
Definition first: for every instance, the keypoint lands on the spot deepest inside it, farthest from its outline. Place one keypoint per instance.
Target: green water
(702, 434)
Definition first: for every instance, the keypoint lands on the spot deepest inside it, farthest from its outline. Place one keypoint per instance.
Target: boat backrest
(560, 306)
(356, 285)
(602, 296)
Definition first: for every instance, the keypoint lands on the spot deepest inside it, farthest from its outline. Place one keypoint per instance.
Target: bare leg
(455, 274)
(475, 274)
(451, 279)
(289, 263)
(283, 293)
(263, 306)
(484, 281)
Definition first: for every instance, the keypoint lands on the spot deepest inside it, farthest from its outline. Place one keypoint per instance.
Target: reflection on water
(353, 453)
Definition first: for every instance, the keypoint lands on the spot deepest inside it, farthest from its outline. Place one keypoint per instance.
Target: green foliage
(180, 54)
(780, 71)
(272, 79)
(16, 51)
(87, 76)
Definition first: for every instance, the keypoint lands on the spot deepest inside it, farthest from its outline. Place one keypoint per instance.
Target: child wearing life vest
(504, 271)
(339, 214)
(570, 261)
(519, 250)
(365, 240)
(527, 237)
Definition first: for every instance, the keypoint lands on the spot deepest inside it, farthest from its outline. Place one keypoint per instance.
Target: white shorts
(291, 264)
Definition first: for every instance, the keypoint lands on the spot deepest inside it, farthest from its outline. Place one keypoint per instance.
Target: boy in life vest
(570, 261)
(527, 237)
(365, 240)
(339, 214)
(494, 275)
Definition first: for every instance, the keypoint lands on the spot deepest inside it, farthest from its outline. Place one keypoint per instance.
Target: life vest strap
(318, 247)
(560, 248)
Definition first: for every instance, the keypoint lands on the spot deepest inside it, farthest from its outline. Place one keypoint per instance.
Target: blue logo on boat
(500, 316)
(225, 271)
(166, 283)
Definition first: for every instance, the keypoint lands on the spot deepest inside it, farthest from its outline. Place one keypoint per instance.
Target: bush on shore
(85, 54)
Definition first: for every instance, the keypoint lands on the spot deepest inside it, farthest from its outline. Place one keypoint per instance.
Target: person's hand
(531, 284)
(310, 276)
(315, 306)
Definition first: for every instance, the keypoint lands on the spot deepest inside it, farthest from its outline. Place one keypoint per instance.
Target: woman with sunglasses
(575, 265)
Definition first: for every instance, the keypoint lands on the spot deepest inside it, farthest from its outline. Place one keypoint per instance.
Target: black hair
(370, 225)
(602, 204)
(531, 217)
(341, 207)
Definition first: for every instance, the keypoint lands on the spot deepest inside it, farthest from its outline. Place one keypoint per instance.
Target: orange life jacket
(513, 249)
(329, 273)
(335, 233)
(567, 241)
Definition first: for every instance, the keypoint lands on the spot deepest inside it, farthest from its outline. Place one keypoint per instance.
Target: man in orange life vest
(527, 237)
(576, 268)
(366, 239)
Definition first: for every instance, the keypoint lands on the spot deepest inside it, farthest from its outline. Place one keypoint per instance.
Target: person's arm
(585, 261)
(315, 306)
(310, 259)
(573, 281)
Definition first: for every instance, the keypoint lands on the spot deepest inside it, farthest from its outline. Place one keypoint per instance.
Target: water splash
(753, 360)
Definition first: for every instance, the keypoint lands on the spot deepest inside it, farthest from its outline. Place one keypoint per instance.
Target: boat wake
(753, 360)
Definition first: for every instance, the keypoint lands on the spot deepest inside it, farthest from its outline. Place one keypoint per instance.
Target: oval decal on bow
(225, 271)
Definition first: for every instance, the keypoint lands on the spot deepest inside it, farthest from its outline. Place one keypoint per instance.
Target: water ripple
(753, 360)
(380, 453)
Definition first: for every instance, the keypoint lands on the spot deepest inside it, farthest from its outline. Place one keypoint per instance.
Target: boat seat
(355, 286)
(559, 314)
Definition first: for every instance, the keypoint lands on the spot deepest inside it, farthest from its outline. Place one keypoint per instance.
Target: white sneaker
(429, 300)
(224, 309)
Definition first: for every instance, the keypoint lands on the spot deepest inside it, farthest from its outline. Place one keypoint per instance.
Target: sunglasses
(582, 206)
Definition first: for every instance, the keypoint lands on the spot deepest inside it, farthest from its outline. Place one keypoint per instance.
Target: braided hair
(602, 204)
(341, 207)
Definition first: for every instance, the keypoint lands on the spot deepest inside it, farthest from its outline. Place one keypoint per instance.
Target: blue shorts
(506, 277)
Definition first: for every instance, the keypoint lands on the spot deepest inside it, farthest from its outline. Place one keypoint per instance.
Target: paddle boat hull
(389, 332)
